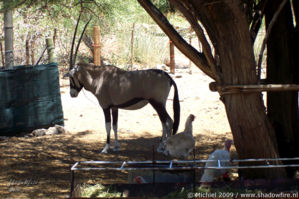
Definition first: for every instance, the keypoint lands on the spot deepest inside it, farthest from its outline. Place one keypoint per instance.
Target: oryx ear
(71, 72)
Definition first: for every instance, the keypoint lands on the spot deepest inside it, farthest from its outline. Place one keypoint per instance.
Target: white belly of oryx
(137, 105)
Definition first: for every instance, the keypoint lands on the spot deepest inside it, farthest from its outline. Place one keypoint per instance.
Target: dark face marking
(75, 88)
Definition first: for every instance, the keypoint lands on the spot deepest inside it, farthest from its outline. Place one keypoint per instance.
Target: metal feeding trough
(168, 172)
(173, 171)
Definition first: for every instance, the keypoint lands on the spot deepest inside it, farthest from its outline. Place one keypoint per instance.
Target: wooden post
(132, 46)
(50, 49)
(97, 45)
(55, 36)
(27, 50)
(172, 62)
(2, 54)
(32, 46)
(8, 35)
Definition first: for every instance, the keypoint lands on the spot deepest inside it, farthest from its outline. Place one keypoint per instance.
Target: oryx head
(75, 84)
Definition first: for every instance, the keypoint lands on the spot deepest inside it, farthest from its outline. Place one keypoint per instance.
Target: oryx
(115, 88)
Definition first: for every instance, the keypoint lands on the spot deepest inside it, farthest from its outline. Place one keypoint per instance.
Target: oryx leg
(108, 129)
(165, 120)
(114, 126)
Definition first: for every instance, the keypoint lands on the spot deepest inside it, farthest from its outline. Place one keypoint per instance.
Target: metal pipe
(219, 164)
(122, 166)
(72, 182)
(186, 168)
(170, 165)
(189, 161)
(74, 166)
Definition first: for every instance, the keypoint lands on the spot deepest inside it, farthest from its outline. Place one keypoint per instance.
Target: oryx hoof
(161, 148)
(106, 149)
(166, 153)
(116, 148)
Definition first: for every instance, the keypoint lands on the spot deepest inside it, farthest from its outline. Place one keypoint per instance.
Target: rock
(57, 129)
(52, 131)
(38, 132)
(61, 129)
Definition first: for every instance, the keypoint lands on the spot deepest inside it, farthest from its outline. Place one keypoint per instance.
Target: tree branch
(257, 19)
(273, 20)
(200, 34)
(196, 57)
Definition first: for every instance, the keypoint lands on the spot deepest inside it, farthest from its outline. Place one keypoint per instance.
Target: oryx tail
(176, 108)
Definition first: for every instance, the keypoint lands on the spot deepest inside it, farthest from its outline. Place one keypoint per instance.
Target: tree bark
(281, 68)
(89, 43)
(27, 49)
(2, 54)
(50, 49)
(32, 50)
(8, 36)
(253, 134)
(228, 29)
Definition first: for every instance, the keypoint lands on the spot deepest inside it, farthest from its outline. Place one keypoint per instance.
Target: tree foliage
(34, 20)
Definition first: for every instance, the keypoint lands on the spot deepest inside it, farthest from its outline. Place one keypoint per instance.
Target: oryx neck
(84, 77)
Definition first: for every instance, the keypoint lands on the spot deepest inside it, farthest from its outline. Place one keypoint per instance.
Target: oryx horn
(81, 36)
(72, 62)
(73, 43)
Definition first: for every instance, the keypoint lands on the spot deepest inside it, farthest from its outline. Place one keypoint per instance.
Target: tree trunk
(27, 50)
(2, 53)
(281, 68)
(227, 27)
(8, 36)
(253, 134)
(32, 51)
(50, 49)
(89, 43)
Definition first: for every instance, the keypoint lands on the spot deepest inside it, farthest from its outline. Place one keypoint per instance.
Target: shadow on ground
(40, 166)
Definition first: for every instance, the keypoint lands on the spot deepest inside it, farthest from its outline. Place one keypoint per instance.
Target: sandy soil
(39, 166)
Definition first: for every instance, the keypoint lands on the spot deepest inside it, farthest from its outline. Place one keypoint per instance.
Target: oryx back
(139, 86)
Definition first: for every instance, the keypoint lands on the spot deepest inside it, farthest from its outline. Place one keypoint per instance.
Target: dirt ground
(39, 167)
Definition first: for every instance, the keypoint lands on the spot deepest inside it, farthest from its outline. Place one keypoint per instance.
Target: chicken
(221, 154)
(140, 180)
(181, 144)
